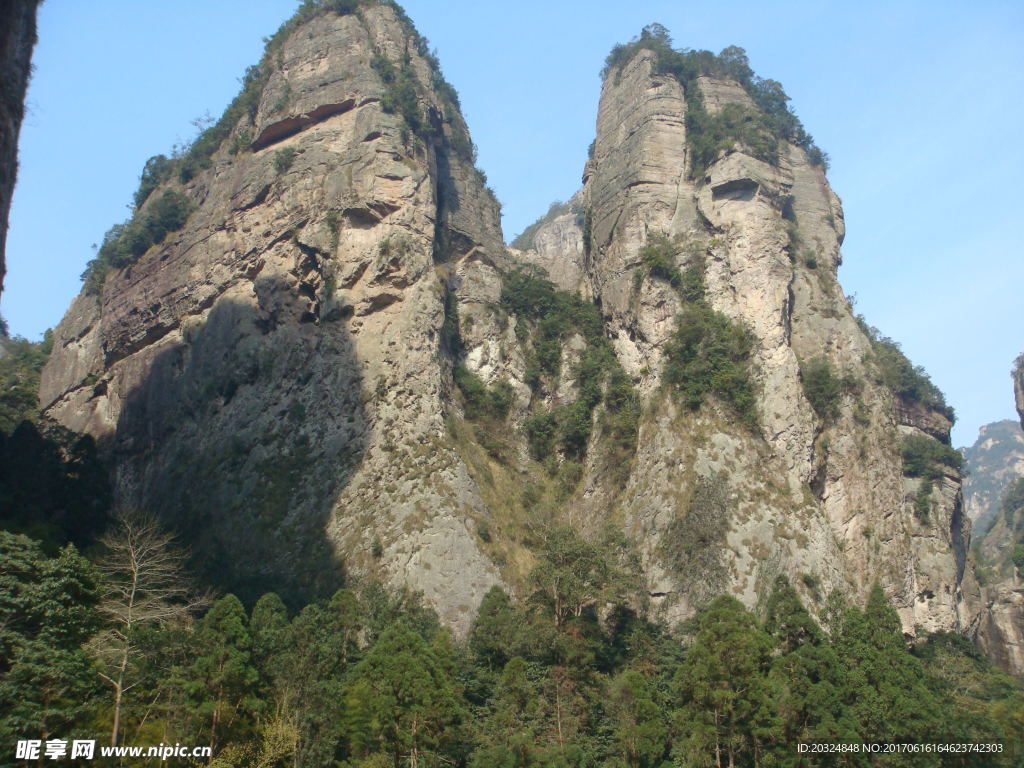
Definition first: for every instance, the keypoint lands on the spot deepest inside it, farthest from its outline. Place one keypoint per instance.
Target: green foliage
(555, 316)
(807, 675)
(123, 244)
(156, 171)
(400, 95)
(709, 354)
(709, 135)
(574, 574)
(482, 403)
(823, 389)
(1017, 557)
(223, 680)
(20, 368)
(722, 694)
(402, 696)
(1013, 501)
(284, 158)
(923, 501)
(907, 381)
(760, 131)
(926, 457)
(639, 727)
(889, 699)
(47, 611)
(570, 676)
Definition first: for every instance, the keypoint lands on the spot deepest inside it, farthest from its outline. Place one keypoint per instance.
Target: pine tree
(724, 713)
(639, 730)
(889, 701)
(493, 635)
(401, 701)
(808, 677)
(47, 610)
(222, 679)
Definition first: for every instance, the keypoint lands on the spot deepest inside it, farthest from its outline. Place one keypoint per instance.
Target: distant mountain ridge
(992, 463)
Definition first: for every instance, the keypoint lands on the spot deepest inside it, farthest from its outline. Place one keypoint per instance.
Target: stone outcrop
(994, 461)
(17, 39)
(277, 377)
(269, 377)
(1018, 386)
(825, 505)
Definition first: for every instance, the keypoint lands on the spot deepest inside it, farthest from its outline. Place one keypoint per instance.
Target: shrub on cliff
(759, 131)
(926, 457)
(125, 243)
(894, 370)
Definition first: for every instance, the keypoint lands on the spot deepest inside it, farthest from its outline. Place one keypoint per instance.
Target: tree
(493, 635)
(401, 699)
(889, 700)
(508, 736)
(574, 574)
(47, 610)
(807, 676)
(724, 712)
(222, 679)
(144, 585)
(321, 648)
(640, 732)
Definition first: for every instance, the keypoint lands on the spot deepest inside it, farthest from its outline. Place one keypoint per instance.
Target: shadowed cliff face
(17, 39)
(239, 439)
(270, 378)
(306, 376)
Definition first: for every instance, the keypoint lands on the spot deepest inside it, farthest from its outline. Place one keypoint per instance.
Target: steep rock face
(278, 375)
(824, 504)
(1018, 387)
(270, 377)
(995, 462)
(17, 39)
(992, 463)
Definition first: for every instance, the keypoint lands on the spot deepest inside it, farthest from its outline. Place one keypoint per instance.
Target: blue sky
(919, 104)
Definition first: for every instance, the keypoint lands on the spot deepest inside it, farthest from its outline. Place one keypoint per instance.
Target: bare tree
(144, 584)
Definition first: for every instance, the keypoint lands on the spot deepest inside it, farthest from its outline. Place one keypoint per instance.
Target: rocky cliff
(335, 365)
(996, 490)
(17, 39)
(1018, 386)
(994, 461)
(822, 500)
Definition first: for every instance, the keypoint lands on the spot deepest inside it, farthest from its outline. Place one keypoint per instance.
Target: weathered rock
(995, 462)
(1018, 387)
(17, 39)
(269, 377)
(1001, 629)
(824, 504)
(277, 376)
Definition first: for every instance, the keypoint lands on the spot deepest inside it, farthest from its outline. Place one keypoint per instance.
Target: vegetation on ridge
(760, 130)
(525, 240)
(894, 370)
(823, 389)
(124, 243)
(548, 317)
